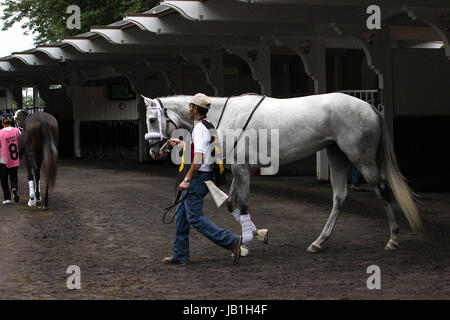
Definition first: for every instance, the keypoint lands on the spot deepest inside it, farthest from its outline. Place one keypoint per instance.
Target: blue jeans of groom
(190, 212)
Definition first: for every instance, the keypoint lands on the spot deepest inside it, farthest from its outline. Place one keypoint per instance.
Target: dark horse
(38, 143)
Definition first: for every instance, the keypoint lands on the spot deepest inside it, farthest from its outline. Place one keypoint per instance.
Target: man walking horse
(189, 212)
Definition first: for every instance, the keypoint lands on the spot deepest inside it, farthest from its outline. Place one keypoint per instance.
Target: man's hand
(184, 185)
(198, 160)
(174, 142)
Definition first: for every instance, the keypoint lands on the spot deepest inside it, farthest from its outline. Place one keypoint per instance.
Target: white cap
(201, 100)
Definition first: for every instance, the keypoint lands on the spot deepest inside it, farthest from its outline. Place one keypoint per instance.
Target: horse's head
(19, 118)
(160, 126)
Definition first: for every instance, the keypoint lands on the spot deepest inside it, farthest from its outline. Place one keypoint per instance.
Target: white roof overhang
(176, 24)
(234, 11)
(176, 28)
(428, 3)
(137, 37)
(6, 66)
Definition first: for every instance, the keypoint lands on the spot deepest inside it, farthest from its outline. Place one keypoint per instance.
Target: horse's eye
(152, 120)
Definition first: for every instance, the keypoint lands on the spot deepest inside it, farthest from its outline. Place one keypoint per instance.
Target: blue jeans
(190, 213)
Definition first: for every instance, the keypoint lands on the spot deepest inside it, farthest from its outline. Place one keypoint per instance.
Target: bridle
(160, 137)
(16, 122)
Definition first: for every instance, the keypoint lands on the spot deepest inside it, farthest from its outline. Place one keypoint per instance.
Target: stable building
(285, 48)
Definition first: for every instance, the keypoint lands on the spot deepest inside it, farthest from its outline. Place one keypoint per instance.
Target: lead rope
(176, 203)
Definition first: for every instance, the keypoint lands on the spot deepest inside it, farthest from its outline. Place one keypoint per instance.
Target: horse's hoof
(44, 208)
(32, 203)
(262, 235)
(244, 250)
(313, 249)
(392, 245)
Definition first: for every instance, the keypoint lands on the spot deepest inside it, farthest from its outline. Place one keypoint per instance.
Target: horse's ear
(149, 102)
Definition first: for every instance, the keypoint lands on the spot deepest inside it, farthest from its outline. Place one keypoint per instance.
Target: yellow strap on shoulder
(182, 158)
(218, 159)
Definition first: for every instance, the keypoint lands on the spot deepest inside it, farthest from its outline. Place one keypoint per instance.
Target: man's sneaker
(7, 202)
(171, 260)
(16, 195)
(237, 251)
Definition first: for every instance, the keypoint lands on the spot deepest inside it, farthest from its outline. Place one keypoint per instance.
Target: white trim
(57, 53)
(226, 10)
(6, 66)
(176, 24)
(33, 59)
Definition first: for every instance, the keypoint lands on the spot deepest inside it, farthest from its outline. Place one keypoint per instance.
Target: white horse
(351, 130)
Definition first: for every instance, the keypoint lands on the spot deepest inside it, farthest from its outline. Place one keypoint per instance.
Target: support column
(139, 85)
(35, 98)
(16, 90)
(43, 88)
(69, 78)
(258, 59)
(377, 47)
(136, 75)
(312, 53)
(76, 139)
(380, 48)
(71, 92)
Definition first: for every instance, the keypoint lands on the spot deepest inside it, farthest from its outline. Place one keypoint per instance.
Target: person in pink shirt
(9, 158)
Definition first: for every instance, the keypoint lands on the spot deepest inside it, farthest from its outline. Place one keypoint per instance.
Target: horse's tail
(389, 166)
(49, 155)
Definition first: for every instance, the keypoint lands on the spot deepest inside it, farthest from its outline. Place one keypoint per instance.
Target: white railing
(33, 110)
(374, 97)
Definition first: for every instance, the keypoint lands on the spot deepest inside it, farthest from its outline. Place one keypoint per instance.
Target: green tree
(27, 101)
(47, 19)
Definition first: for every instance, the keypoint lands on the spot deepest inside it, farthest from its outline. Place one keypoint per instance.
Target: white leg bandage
(31, 187)
(32, 201)
(247, 229)
(237, 215)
